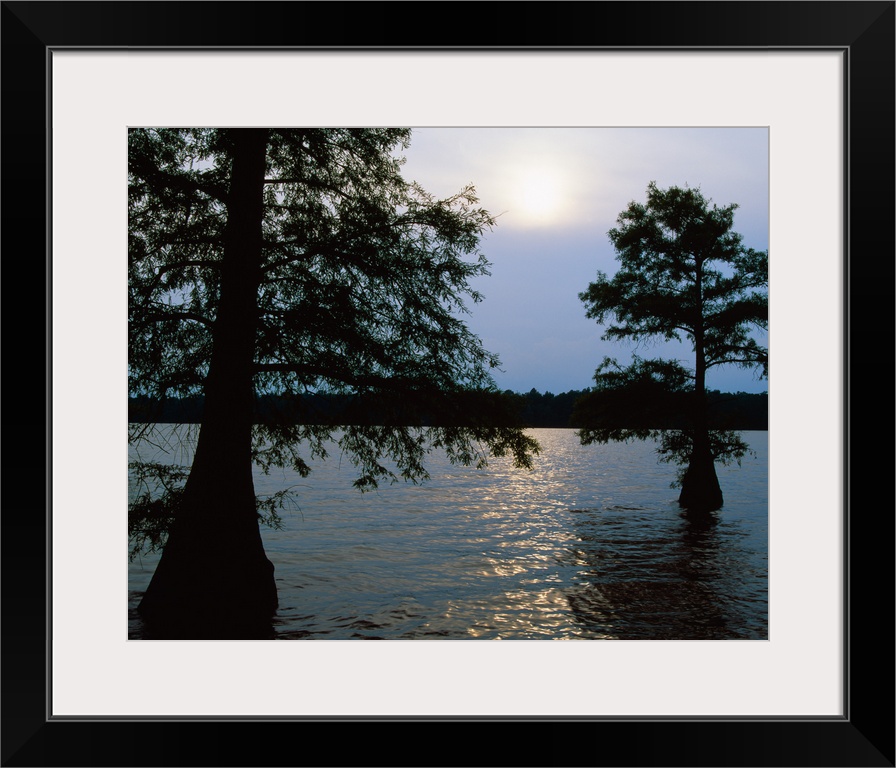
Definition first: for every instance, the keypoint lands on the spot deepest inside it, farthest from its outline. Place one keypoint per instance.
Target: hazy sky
(557, 192)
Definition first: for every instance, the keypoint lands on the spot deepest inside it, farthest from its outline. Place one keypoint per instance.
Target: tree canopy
(293, 262)
(683, 275)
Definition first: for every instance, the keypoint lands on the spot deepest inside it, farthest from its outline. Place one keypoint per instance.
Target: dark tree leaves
(684, 275)
(365, 278)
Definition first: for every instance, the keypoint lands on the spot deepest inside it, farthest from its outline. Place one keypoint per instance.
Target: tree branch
(315, 183)
(736, 360)
(177, 182)
(160, 317)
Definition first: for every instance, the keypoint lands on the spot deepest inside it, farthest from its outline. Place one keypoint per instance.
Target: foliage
(364, 280)
(642, 402)
(157, 490)
(684, 275)
(549, 409)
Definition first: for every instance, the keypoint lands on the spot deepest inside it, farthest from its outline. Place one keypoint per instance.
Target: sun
(539, 194)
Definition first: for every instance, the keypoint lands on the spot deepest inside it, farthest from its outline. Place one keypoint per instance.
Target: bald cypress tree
(684, 275)
(292, 262)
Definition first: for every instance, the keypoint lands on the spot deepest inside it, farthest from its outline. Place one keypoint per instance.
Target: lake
(590, 545)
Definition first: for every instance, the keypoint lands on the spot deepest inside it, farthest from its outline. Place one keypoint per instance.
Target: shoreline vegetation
(737, 410)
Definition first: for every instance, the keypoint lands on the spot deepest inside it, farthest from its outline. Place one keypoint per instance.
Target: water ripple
(590, 545)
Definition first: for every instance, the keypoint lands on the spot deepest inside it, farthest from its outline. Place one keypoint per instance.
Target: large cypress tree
(291, 262)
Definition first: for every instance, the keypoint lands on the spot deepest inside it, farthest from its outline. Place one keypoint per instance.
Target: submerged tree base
(207, 628)
(204, 618)
(210, 594)
(700, 489)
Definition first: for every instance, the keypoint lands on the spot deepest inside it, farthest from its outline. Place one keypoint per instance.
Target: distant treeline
(739, 410)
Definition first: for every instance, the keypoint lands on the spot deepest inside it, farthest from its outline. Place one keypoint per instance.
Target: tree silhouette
(684, 274)
(290, 262)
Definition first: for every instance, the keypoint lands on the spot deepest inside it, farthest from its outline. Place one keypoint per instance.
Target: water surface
(589, 545)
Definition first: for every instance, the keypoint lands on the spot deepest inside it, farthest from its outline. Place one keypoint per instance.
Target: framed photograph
(813, 686)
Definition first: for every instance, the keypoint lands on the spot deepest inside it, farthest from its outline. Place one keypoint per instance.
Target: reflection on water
(590, 545)
(641, 579)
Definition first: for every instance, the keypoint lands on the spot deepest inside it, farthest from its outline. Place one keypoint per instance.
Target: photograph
(448, 383)
(442, 323)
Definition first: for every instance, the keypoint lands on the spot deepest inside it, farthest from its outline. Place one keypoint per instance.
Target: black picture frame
(864, 31)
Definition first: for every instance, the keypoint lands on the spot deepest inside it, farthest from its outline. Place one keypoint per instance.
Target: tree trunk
(214, 580)
(700, 490)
